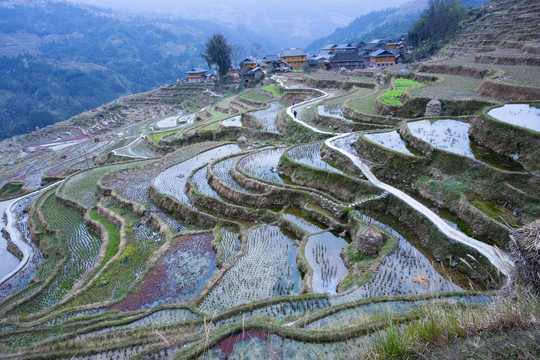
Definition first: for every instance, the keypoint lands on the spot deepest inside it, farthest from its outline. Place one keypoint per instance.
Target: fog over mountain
(285, 22)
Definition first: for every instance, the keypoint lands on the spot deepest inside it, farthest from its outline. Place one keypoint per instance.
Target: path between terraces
(14, 233)
(497, 257)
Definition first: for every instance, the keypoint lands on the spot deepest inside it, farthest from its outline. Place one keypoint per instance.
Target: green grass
(11, 189)
(365, 105)
(495, 211)
(114, 236)
(257, 95)
(392, 97)
(157, 136)
(439, 324)
(273, 89)
(211, 127)
(355, 95)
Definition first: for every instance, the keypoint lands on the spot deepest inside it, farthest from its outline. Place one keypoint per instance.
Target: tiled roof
(381, 52)
(293, 52)
(344, 46)
(272, 58)
(346, 56)
(196, 70)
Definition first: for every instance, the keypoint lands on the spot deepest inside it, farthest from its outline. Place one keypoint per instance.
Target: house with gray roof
(346, 59)
(295, 57)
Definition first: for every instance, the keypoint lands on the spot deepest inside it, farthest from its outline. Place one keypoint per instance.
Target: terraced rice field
(310, 154)
(451, 87)
(230, 244)
(81, 250)
(523, 115)
(172, 181)
(263, 165)
(448, 135)
(267, 269)
(177, 277)
(268, 116)
(232, 122)
(333, 110)
(125, 271)
(391, 140)
(323, 253)
(201, 183)
(404, 271)
(82, 187)
(365, 313)
(242, 288)
(223, 170)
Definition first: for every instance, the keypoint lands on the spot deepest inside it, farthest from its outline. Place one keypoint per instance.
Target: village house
(358, 55)
(345, 47)
(274, 62)
(296, 58)
(382, 58)
(197, 75)
(248, 74)
(248, 62)
(346, 59)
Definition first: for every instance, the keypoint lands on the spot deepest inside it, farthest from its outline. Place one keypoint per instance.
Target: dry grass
(440, 323)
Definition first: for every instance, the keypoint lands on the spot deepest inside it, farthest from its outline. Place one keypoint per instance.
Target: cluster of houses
(351, 56)
(359, 55)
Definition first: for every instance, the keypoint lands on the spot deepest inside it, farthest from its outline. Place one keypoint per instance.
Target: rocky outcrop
(11, 247)
(369, 240)
(433, 108)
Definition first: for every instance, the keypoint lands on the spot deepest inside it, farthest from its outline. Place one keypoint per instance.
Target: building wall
(251, 66)
(193, 78)
(382, 61)
(295, 61)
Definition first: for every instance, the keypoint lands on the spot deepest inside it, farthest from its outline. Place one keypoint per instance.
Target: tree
(218, 52)
(236, 54)
(256, 50)
(436, 25)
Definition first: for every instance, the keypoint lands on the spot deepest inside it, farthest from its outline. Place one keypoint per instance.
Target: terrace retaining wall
(507, 139)
(510, 92)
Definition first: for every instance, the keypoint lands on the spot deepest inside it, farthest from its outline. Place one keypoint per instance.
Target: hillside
(504, 31)
(389, 23)
(59, 59)
(312, 215)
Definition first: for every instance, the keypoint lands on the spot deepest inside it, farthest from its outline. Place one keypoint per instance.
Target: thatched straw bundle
(525, 246)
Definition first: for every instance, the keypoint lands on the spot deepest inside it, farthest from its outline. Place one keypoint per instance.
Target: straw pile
(525, 251)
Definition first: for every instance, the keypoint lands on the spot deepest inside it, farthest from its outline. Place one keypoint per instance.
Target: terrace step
(383, 195)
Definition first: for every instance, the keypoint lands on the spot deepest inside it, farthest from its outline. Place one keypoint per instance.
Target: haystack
(525, 251)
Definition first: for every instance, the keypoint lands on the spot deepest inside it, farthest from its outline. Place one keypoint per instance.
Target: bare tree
(256, 50)
(236, 54)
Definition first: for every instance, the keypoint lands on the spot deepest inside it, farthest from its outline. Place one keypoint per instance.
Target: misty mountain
(389, 23)
(287, 23)
(59, 59)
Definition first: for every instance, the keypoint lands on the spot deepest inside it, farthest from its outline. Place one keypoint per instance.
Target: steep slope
(507, 31)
